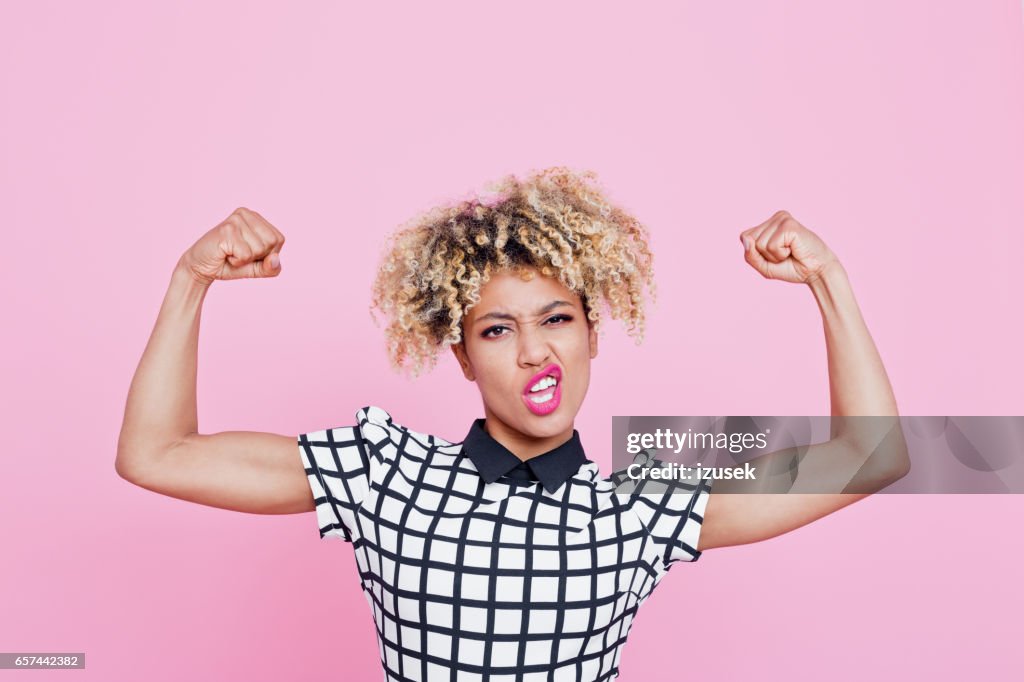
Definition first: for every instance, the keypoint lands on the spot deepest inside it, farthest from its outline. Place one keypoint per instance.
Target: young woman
(505, 555)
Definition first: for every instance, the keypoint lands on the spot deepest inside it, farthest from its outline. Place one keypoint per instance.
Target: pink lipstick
(548, 393)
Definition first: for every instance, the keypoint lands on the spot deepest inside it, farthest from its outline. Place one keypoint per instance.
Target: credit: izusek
(679, 472)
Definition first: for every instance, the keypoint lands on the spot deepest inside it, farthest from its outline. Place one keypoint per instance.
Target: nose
(533, 350)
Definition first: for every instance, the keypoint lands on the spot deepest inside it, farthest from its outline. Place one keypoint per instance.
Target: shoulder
(375, 419)
(376, 416)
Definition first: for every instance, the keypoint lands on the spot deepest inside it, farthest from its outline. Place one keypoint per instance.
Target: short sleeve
(673, 513)
(339, 464)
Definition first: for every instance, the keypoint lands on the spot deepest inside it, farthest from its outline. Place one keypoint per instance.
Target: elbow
(129, 463)
(123, 460)
(135, 458)
(883, 449)
(879, 469)
(898, 456)
(896, 466)
(124, 467)
(900, 469)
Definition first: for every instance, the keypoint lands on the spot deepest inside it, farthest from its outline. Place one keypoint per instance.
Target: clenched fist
(781, 248)
(243, 245)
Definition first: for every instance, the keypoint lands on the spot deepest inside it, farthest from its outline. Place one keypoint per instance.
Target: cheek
(582, 373)
(493, 383)
(582, 381)
(495, 366)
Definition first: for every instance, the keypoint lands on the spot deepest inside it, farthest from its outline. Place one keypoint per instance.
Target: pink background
(891, 129)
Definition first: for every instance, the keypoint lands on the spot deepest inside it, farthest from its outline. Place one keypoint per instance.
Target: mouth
(543, 391)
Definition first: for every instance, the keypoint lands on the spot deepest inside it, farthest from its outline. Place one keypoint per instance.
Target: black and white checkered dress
(478, 566)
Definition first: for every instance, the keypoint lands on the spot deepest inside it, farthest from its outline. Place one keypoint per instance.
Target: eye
(488, 335)
(487, 332)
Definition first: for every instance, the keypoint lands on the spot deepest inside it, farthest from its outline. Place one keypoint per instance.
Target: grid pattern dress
(478, 566)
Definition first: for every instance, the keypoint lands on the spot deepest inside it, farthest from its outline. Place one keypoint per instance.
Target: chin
(551, 424)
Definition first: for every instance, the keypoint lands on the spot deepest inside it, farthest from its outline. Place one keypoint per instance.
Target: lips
(546, 400)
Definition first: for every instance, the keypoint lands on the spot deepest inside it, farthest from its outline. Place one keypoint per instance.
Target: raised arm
(862, 455)
(160, 447)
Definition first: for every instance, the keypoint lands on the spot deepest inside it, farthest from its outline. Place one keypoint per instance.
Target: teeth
(542, 399)
(543, 383)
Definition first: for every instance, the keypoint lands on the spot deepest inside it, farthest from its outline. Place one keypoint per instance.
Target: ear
(459, 349)
(593, 340)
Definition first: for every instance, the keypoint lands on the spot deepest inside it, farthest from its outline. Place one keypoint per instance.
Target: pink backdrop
(891, 129)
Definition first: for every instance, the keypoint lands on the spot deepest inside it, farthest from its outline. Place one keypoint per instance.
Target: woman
(506, 553)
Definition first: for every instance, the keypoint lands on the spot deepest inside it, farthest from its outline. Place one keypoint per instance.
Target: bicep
(741, 519)
(736, 516)
(260, 473)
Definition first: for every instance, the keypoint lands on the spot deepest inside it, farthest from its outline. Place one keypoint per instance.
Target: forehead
(509, 292)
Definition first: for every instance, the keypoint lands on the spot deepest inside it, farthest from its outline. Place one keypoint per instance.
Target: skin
(160, 447)
(501, 355)
(783, 249)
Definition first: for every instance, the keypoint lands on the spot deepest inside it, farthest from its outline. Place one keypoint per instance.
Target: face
(519, 332)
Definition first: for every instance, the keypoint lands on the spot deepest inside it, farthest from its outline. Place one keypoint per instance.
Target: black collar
(493, 460)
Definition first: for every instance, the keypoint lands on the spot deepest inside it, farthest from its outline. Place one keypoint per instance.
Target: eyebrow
(505, 316)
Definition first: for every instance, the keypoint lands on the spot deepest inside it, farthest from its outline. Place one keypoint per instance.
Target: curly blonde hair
(555, 220)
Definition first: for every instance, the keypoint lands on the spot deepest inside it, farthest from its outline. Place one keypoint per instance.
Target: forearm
(858, 384)
(161, 405)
